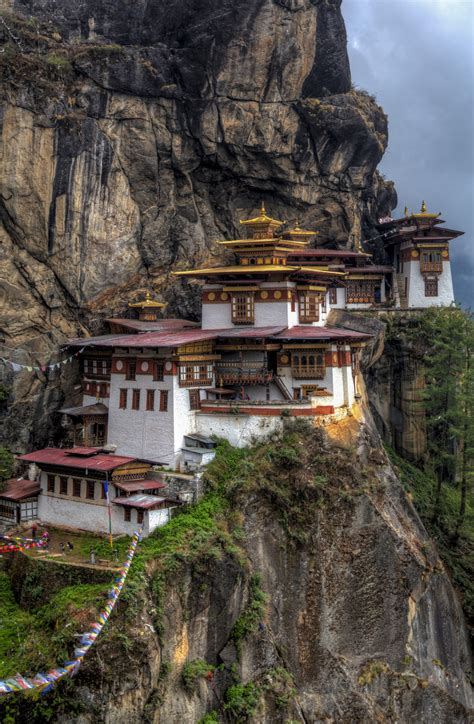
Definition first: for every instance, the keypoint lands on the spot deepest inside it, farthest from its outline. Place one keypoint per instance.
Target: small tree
(6, 466)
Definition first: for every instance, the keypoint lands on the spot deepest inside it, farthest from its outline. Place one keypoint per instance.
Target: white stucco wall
(239, 430)
(416, 286)
(142, 433)
(157, 518)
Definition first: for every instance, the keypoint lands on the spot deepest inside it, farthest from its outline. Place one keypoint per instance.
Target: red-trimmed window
(63, 486)
(51, 483)
(135, 399)
(194, 400)
(158, 371)
(139, 517)
(150, 400)
(131, 369)
(90, 490)
(123, 399)
(76, 488)
(163, 400)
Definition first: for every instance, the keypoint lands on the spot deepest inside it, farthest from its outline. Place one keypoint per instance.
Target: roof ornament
(423, 207)
(406, 212)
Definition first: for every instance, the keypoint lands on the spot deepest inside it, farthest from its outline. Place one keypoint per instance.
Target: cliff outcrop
(134, 135)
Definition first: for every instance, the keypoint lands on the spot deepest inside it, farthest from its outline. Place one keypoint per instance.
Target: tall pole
(109, 508)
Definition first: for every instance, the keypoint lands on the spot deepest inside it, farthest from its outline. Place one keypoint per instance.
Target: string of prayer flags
(45, 682)
(16, 367)
(16, 543)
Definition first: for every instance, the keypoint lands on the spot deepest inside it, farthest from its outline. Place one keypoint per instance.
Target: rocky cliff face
(352, 616)
(133, 135)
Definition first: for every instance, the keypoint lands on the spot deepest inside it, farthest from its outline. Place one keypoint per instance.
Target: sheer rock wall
(135, 134)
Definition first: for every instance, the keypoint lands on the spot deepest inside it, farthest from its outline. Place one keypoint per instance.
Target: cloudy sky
(417, 58)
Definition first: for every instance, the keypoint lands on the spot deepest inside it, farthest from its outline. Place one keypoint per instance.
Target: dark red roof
(320, 333)
(137, 485)
(148, 339)
(249, 331)
(328, 252)
(20, 489)
(66, 458)
(370, 269)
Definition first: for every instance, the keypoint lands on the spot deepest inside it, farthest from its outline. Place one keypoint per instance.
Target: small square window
(163, 400)
(150, 400)
(123, 399)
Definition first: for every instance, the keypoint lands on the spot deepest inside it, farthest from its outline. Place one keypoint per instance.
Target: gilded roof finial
(423, 208)
(263, 210)
(406, 211)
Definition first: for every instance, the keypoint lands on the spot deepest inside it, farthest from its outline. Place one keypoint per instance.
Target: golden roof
(258, 268)
(298, 231)
(262, 219)
(424, 214)
(147, 303)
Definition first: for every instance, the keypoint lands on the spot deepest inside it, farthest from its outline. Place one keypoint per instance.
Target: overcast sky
(417, 58)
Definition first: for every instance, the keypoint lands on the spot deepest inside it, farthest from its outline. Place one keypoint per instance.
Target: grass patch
(195, 670)
(253, 613)
(241, 701)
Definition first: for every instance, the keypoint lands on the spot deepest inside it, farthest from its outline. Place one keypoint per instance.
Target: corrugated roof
(96, 409)
(141, 501)
(151, 339)
(66, 458)
(320, 333)
(136, 485)
(381, 269)
(20, 489)
(249, 331)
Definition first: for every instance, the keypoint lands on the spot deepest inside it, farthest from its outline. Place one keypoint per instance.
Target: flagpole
(109, 508)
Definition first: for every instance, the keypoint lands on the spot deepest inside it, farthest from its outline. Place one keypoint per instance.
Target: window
(308, 365)
(140, 517)
(127, 515)
(309, 307)
(333, 295)
(243, 308)
(123, 399)
(192, 375)
(51, 481)
(158, 371)
(135, 399)
(90, 493)
(131, 371)
(194, 400)
(63, 486)
(360, 292)
(431, 261)
(76, 488)
(150, 400)
(163, 400)
(297, 393)
(431, 287)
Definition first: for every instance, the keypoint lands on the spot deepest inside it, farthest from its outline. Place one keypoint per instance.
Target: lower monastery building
(155, 392)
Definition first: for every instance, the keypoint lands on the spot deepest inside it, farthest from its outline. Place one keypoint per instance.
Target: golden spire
(263, 210)
(423, 209)
(406, 211)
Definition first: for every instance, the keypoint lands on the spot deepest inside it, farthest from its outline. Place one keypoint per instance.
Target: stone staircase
(399, 290)
(282, 387)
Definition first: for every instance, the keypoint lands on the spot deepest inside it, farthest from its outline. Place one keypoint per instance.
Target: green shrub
(241, 701)
(253, 614)
(194, 670)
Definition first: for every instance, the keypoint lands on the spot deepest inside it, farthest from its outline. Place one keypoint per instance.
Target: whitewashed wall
(416, 286)
(239, 430)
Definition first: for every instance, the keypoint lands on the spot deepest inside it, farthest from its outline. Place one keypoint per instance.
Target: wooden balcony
(236, 372)
(308, 373)
(196, 382)
(429, 267)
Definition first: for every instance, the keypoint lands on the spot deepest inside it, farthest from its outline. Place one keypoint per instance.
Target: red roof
(137, 485)
(249, 331)
(327, 252)
(320, 333)
(148, 339)
(66, 458)
(20, 489)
